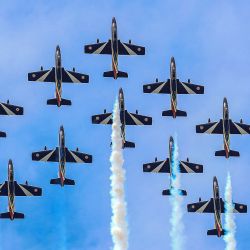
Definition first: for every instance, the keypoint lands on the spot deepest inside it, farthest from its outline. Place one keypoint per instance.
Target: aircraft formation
(172, 86)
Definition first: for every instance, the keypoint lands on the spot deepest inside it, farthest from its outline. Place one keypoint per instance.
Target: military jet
(7, 109)
(167, 166)
(226, 127)
(126, 117)
(58, 75)
(173, 86)
(114, 47)
(215, 205)
(11, 189)
(61, 155)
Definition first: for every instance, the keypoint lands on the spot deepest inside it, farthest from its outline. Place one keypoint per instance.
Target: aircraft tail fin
(215, 232)
(2, 134)
(7, 215)
(129, 144)
(170, 113)
(57, 181)
(170, 192)
(54, 102)
(223, 153)
(120, 74)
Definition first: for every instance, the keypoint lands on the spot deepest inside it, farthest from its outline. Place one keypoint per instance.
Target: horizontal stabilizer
(119, 74)
(66, 181)
(55, 102)
(223, 153)
(170, 113)
(2, 134)
(215, 232)
(129, 144)
(7, 215)
(171, 192)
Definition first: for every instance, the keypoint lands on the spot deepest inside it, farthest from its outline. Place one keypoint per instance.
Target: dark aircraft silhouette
(114, 47)
(215, 205)
(224, 126)
(126, 117)
(11, 189)
(167, 166)
(173, 86)
(61, 155)
(58, 75)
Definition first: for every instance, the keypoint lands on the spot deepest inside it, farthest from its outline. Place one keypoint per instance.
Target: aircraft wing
(130, 49)
(105, 118)
(135, 119)
(46, 155)
(26, 190)
(157, 167)
(77, 157)
(239, 128)
(188, 167)
(210, 128)
(7, 109)
(238, 208)
(4, 189)
(188, 88)
(98, 48)
(42, 76)
(201, 207)
(157, 87)
(72, 76)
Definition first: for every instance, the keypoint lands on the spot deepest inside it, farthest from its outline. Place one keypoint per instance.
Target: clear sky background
(210, 42)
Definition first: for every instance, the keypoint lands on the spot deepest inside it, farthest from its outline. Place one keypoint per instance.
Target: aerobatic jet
(114, 47)
(167, 166)
(58, 75)
(11, 189)
(126, 117)
(217, 206)
(61, 155)
(173, 86)
(224, 126)
(8, 109)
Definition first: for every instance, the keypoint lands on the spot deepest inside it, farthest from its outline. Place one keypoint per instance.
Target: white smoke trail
(119, 226)
(230, 226)
(177, 230)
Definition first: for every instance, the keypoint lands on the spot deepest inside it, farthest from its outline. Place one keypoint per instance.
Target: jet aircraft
(58, 75)
(167, 166)
(215, 205)
(226, 127)
(173, 86)
(11, 189)
(126, 117)
(62, 155)
(8, 109)
(114, 47)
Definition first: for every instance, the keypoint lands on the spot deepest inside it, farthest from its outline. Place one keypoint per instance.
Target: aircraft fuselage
(114, 47)
(226, 127)
(173, 87)
(122, 115)
(217, 207)
(62, 155)
(58, 75)
(11, 190)
(171, 159)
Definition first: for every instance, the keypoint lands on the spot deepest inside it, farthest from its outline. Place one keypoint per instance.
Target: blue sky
(210, 42)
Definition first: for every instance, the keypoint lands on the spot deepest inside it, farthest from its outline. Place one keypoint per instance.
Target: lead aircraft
(114, 47)
(173, 86)
(58, 75)
(217, 206)
(126, 118)
(62, 155)
(167, 166)
(224, 126)
(11, 189)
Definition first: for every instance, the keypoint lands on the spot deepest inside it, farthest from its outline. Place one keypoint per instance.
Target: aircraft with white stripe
(226, 127)
(217, 206)
(167, 166)
(126, 118)
(62, 155)
(173, 86)
(11, 188)
(114, 47)
(58, 75)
